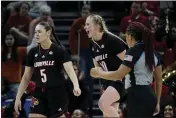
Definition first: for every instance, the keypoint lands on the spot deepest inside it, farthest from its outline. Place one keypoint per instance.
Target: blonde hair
(98, 20)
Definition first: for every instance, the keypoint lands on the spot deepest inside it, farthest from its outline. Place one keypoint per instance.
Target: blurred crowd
(18, 20)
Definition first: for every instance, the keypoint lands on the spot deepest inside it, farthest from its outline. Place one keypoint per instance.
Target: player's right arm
(23, 85)
(25, 81)
(27, 73)
(29, 68)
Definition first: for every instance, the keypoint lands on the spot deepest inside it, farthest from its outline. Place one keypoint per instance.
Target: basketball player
(109, 51)
(46, 61)
(142, 63)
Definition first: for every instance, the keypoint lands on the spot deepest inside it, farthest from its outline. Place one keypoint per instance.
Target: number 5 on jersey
(42, 72)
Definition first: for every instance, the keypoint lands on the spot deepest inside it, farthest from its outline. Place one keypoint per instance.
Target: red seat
(159, 46)
(168, 57)
(174, 50)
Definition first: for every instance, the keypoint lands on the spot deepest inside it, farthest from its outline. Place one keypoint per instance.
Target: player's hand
(95, 72)
(17, 106)
(77, 91)
(157, 110)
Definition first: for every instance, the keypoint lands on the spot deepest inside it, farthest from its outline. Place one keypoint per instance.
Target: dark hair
(143, 34)
(46, 25)
(14, 53)
(17, 8)
(53, 36)
(56, 39)
(26, 4)
(98, 20)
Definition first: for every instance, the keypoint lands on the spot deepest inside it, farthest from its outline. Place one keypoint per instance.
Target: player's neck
(98, 36)
(133, 43)
(46, 44)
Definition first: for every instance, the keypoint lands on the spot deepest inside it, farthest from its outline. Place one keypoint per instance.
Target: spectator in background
(81, 102)
(169, 111)
(12, 58)
(159, 44)
(12, 7)
(35, 8)
(172, 38)
(80, 46)
(4, 17)
(45, 12)
(8, 110)
(165, 97)
(19, 24)
(151, 8)
(78, 27)
(78, 114)
(21, 19)
(134, 16)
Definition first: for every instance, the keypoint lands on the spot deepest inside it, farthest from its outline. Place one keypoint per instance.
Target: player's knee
(33, 115)
(102, 104)
(62, 116)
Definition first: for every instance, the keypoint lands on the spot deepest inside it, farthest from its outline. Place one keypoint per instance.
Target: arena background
(65, 12)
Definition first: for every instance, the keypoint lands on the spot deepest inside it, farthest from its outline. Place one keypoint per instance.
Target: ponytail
(55, 38)
(141, 33)
(149, 56)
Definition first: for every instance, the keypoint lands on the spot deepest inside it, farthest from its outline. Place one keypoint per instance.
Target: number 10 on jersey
(42, 73)
(103, 65)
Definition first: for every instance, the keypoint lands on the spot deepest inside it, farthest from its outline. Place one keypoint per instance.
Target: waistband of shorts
(140, 86)
(48, 88)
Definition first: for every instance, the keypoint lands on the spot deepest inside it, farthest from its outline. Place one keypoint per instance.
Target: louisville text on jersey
(44, 63)
(101, 57)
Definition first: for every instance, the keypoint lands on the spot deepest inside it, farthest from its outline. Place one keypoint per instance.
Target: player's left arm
(126, 66)
(68, 66)
(111, 75)
(121, 55)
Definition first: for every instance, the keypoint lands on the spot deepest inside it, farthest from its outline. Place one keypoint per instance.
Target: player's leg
(102, 91)
(63, 116)
(38, 105)
(34, 115)
(106, 101)
(116, 106)
(57, 102)
(105, 115)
